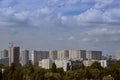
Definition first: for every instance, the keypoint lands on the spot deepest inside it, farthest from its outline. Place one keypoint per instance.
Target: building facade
(94, 55)
(63, 54)
(77, 54)
(46, 63)
(4, 61)
(53, 54)
(62, 64)
(4, 54)
(38, 56)
(14, 52)
(25, 57)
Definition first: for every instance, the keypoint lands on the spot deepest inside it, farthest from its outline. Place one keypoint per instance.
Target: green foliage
(54, 69)
(87, 74)
(94, 72)
(52, 76)
(12, 68)
(109, 77)
(0, 74)
(68, 66)
(96, 65)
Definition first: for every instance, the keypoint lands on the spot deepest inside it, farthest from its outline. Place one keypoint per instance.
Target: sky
(61, 24)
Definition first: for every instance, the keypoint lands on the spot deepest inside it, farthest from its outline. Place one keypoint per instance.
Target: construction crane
(11, 43)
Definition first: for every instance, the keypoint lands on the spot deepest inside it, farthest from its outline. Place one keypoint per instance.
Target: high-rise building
(63, 54)
(14, 52)
(4, 54)
(94, 55)
(82, 54)
(38, 56)
(25, 57)
(77, 54)
(72, 53)
(53, 54)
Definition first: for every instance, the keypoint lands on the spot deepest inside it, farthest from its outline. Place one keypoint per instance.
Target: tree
(87, 74)
(52, 76)
(109, 77)
(95, 73)
(18, 74)
(0, 74)
(82, 66)
(69, 75)
(12, 67)
(96, 65)
(61, 71)
(40, 74)
(115, 71)
(54, 69)
(68, 66)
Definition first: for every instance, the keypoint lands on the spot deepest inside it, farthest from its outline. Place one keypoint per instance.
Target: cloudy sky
(61, 24)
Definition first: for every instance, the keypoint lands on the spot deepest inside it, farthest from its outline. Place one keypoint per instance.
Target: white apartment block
(46, 63)
(62, 64)
(87, 63)
(103, 63)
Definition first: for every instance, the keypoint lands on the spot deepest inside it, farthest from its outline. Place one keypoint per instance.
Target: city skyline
(61, 24)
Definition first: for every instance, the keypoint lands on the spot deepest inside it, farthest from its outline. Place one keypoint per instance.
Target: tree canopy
(94, 72)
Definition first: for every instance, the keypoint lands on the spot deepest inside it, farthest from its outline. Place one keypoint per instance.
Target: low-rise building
(62, 64)
(46, 63)
(88, 62)
(103, 63)
(72, 64)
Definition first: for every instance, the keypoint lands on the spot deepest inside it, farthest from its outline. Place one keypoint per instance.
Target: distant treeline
(30, 72)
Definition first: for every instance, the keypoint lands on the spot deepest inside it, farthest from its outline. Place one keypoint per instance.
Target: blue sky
(61, 24)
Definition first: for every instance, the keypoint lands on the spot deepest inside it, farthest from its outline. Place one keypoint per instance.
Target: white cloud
(72, 1)
(112, 15)
(102, 3)
(45, 10)
(89, 22)
(91, 15)
(63, 19)
(86, 40)
(22, 15)
(71, 38)
(98, 31)
(7, 11)
(103, 31)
